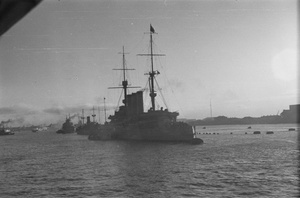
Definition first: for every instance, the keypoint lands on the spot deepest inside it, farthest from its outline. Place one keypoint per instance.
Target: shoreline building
(291, 115)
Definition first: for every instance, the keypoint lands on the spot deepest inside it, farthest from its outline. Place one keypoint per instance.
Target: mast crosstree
(124, 82)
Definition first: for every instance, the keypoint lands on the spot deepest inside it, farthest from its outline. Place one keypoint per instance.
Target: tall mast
(93, 114)
(99, 114)
(152, 73)
(124, 82)
(104, 112)
(82, 117)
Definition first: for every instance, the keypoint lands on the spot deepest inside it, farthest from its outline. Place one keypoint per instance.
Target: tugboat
(130, 122)
(67, 127)
(35, 129)
(4, 131)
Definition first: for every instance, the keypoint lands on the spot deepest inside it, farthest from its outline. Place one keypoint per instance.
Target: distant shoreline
(223, 120)
(215, 124)
(288, 116)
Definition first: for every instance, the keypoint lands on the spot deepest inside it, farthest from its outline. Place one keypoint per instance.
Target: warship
(89, 127)
(131, 122)
(67, 127)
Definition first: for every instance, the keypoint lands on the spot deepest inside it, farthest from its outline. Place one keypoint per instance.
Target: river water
(46, 164)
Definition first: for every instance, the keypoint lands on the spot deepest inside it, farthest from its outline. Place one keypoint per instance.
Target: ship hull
(67, 127)
(138, 132)
(177, 132)
(65, 131)
(158, 126)
(87, 129)
(103, 133)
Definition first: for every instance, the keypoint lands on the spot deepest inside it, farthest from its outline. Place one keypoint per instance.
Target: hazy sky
(238, 56)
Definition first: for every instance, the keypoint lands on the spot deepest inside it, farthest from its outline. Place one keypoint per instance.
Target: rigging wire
(147, 91)
(145, 64)
(119, 99)
(167, 81)
(159, 89)
(160, 66)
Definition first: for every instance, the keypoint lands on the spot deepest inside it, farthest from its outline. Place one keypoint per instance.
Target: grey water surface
(230, 163)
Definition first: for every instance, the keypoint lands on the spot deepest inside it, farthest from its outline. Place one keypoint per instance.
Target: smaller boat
(256, 132)
(269, 132)
(292, 129)
(249, 127)
(4, 131)
(35, 129)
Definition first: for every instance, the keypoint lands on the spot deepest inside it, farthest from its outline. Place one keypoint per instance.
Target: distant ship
(67, 127)
(4, 131)
(36, 129)
(88, 128)
(130, 122)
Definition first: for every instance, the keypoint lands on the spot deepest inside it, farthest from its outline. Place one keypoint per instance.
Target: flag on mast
(152, 29)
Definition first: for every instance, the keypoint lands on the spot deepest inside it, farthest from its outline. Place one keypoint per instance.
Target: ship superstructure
(67, 127)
